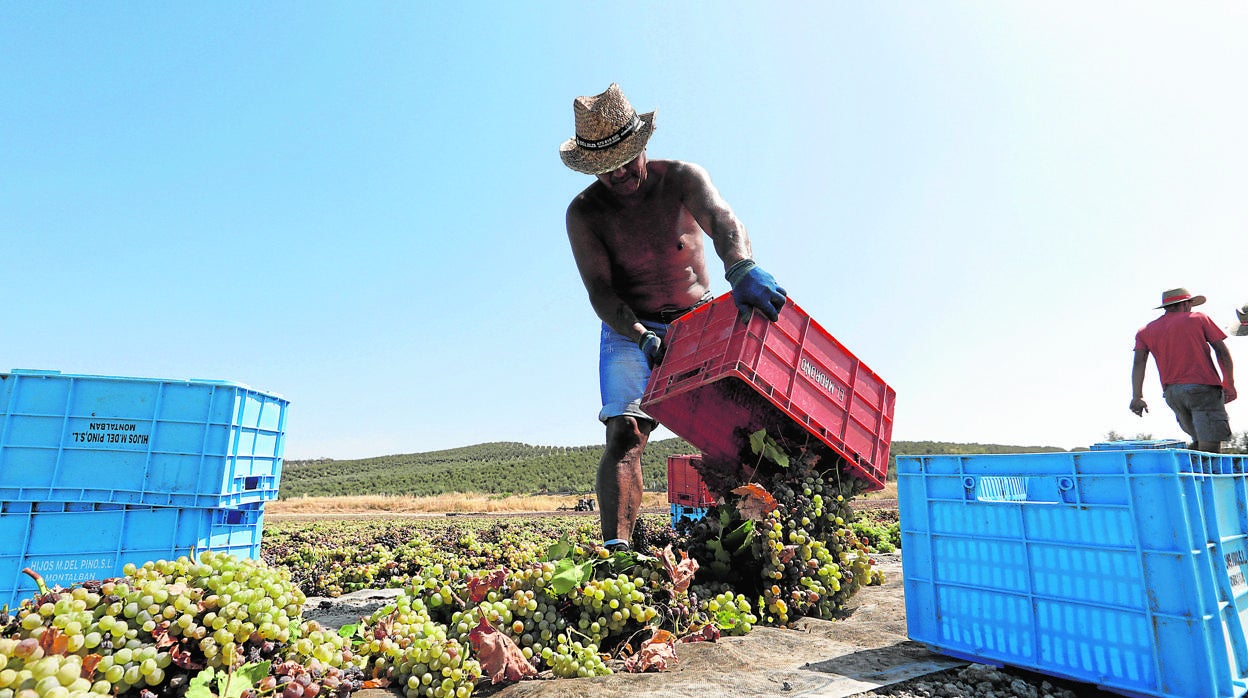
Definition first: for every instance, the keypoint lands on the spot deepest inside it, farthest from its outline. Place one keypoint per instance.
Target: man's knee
(627, 430)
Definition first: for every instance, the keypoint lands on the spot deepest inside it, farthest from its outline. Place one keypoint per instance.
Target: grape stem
(43, 588)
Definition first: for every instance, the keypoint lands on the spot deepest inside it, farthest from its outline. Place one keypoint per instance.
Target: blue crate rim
(52, 373)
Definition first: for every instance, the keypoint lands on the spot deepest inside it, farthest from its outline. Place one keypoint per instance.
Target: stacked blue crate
(100, 471)
(687, 513)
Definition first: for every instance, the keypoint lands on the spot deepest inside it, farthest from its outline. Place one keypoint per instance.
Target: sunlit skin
(637, 237)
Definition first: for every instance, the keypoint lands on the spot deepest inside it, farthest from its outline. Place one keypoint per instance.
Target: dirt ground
(865, 649)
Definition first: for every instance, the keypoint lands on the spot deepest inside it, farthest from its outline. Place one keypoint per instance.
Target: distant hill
(516, 468)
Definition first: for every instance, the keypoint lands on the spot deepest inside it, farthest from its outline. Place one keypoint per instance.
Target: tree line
(515, 468)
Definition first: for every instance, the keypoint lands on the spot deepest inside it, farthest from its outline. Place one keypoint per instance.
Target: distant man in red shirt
(1180, 340)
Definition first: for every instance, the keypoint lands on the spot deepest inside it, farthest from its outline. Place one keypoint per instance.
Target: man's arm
(1138, 367)
(713, 214)
(752, 288)
(1228, 369)
(594, 265)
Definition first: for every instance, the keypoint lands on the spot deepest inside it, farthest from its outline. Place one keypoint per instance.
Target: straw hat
(1178, 295)
(609, 133)
(1240, 329)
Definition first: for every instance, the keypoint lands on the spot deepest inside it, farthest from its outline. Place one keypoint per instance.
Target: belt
(666, 317)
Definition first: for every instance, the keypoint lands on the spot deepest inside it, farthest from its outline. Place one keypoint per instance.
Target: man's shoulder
(590, 198)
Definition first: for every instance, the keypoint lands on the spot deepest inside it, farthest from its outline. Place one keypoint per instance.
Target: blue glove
(652, 347)
(755, 289)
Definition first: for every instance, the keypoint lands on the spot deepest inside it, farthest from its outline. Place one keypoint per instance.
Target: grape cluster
(612, 605)
(731, 613)
(798, 557)
(25, 671)
(411, 651)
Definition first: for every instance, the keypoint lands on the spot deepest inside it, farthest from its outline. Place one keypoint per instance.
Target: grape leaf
(568, 575)
(707, 633)
(253, 672)
(560, 550)
(227, 684)
(763, 445)
(53, 641)
(773, 452)
(500, 657)
(755, 502)
(89, 663)
(478, 587)
(656, 653)
(681, 572)
(757, 441)
(198, 685)
(738, 539)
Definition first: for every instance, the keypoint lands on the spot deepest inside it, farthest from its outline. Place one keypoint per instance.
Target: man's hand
(1229, 393)
(755, 289)
(1138, 406)
(652, 347)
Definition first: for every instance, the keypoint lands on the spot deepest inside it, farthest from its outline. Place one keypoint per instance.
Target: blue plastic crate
(71, 542)
(681, 511)
(188, 443)
(1130, 445)
(1121, 568)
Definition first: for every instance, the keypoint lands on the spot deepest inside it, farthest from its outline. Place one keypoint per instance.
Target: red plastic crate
(684, 484)
(722, 380)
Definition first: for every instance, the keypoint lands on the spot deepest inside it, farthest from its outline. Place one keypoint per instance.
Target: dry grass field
(472, 503)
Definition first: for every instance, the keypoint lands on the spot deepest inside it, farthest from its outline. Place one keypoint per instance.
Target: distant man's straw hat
(1240, 329)
(1178, 295)
(609, 133)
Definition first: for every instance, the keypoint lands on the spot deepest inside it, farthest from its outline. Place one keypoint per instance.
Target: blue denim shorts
(623, 373)
(1200, 410)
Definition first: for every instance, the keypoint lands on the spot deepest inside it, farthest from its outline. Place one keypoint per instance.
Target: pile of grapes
(490, 602)
(786, 538)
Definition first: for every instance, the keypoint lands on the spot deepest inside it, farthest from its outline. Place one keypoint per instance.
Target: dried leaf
(89, 663)
(707, 633)
(500, 657)
(681, 572)
(384, 627)
(786, 553)
(183, 658)
(376, 683)
(755, 502)
(657, 653)
(53, 641)
(161, 635)
(478, 587)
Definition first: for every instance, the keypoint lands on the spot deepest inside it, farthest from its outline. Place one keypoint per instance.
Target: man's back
(1179, 341)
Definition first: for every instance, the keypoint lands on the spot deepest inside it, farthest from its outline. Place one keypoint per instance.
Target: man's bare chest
(658, 224)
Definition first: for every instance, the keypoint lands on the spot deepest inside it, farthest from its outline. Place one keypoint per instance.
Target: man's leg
(1209, 446)
(1176, 398)
(619, 482)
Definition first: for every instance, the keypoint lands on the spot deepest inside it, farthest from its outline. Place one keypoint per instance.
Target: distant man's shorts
(1200, 409)
(623, 373)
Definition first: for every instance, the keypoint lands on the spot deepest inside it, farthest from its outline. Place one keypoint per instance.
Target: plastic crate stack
(100, 471)
(687, 494)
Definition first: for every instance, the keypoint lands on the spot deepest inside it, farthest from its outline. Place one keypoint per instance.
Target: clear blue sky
(360, 205)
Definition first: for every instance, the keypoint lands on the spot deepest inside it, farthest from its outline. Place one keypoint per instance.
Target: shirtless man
(637, 237)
